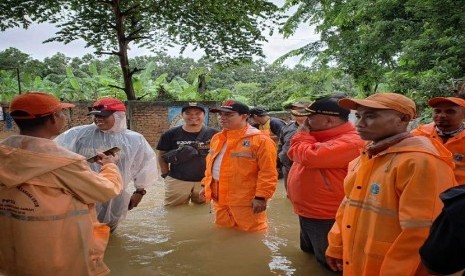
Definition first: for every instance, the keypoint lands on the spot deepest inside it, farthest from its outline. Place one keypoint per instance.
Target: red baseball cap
(33, 105)
(106, 106)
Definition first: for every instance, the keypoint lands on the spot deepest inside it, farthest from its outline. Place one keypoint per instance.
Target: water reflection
(154, 240)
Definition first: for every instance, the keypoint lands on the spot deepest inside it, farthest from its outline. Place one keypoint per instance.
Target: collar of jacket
(324, 135)
(374, 149)
(430, 131)
(417, 144)
(248, 130)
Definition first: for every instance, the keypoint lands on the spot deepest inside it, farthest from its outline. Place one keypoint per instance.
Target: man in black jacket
(442, 252)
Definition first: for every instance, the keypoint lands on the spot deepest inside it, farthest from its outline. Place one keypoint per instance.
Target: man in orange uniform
(391, 192)
(241, 171)
(47, 196)
(321, 150)
(448, 129)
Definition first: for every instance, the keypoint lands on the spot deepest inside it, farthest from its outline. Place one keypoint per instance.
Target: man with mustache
(448, 129)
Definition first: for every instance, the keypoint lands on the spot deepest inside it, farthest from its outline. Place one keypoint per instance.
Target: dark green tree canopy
(225, 30)
(409, 46)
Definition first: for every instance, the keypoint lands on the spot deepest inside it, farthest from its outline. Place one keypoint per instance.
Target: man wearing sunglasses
(138, 160)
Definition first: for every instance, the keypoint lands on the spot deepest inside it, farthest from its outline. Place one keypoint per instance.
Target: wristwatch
(141, 192)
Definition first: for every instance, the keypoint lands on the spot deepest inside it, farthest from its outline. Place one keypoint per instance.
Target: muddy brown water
(154, 240)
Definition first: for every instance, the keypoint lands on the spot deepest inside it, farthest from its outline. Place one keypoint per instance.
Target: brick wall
(148, 118)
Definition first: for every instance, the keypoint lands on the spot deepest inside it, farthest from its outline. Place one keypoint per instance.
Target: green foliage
(413, 47)
(255, 83)
(229, 31)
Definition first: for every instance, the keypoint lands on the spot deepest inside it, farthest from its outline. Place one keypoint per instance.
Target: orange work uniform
(47, 212)
(248, 170)
(455, 144)
(390, 202)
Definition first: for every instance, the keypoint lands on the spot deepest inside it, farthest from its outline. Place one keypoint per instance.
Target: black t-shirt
(194, 169)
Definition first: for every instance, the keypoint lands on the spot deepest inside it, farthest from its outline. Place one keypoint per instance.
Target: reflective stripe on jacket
(248, 168)
(47, 213)
(455, 144)
(315, 182)
(390, 203)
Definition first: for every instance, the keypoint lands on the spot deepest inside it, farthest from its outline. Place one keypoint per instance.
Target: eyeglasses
(101, 106)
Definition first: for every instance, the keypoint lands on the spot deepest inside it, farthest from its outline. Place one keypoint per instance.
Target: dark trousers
(285, 171)
(314, 236)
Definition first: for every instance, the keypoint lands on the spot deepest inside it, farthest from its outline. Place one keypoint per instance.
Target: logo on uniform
(458, 157)
(375, 188)
(246, 143)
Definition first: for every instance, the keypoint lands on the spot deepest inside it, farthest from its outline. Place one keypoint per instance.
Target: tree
(225, 30)
(410, 46)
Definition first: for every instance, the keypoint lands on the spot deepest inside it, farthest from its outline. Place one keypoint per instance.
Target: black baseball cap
(231, 106)
(328, 106)
(259, 111)
(192, 105)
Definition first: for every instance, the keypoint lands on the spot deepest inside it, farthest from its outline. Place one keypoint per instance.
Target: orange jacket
(455, 144)
(390, 203)
(47, 213)
(248, 168)
(315, 181)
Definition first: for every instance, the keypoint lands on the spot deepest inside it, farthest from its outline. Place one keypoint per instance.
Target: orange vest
(390, 203)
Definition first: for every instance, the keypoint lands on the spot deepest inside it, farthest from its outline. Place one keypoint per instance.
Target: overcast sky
(30, 42)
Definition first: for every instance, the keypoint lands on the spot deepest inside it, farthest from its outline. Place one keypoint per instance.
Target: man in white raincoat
(138, 160)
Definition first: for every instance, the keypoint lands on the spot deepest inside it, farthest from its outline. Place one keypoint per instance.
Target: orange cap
(35, 104)
(456, 101)
(393, 101)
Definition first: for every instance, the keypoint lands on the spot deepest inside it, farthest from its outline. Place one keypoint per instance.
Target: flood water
(154, 240)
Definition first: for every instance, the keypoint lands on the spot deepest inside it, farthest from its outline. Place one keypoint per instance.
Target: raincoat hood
(120, 123)
(20, 155)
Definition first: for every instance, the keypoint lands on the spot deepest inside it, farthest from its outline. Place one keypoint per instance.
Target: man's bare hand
(305, 126)
(134, 201)
(105, 159)
(202, 194)
(258, 205)
(333, 263)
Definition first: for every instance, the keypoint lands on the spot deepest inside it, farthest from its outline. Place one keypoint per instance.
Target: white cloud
(30, 41)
